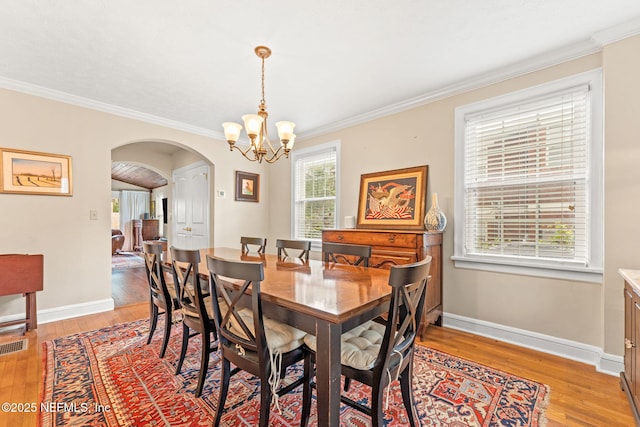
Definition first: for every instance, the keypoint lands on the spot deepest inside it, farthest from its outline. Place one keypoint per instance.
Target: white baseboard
(75, 310)
(65, 312)
(592, 355)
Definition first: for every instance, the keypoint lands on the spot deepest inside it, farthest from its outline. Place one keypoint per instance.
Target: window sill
(580, 274)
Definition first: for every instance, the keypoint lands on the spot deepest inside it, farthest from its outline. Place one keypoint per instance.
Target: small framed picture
(247, 187)
(30, 172)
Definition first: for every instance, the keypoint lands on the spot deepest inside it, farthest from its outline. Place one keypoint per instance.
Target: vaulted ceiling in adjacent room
(135, 174)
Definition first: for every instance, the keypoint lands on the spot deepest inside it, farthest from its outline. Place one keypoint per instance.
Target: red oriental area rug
(110, 377)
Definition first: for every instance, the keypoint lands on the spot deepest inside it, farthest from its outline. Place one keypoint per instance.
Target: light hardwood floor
(579, 395)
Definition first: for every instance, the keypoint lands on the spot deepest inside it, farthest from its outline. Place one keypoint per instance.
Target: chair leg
(377, 393)
(406, 384)
(225, 376)
(204, 362)
(265, 402)
(185, 344)
(168, 319)
(153, 315)
(306, 392)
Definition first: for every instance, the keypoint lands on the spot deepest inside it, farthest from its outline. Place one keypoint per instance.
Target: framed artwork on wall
(247, 187)
(394, 199)
(30, 172)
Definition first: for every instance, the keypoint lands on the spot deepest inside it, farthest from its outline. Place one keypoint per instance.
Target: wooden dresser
(630, 377)
(396, 247)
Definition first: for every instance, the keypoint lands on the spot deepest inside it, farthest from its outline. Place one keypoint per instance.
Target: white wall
(77, 250)
(622, 180)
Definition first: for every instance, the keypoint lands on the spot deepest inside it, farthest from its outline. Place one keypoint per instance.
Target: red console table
(22, 274)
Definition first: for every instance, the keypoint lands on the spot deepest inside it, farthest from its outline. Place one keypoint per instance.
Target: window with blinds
(527, 180)
(314, 191)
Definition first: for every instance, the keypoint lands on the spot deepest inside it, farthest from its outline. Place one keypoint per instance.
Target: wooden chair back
(304, 246)
(409, 289)
(346, 253)
(158, 288)
(187, 281)
(246, 242)
(232, 328)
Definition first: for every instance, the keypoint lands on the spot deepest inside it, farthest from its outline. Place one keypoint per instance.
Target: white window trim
(568, 271)
(309, 151)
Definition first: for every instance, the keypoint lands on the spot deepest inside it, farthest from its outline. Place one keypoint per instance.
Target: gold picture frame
(31, 172)
(247, 187)
(394, 199)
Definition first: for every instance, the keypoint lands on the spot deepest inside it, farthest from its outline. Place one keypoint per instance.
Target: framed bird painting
(394, 199)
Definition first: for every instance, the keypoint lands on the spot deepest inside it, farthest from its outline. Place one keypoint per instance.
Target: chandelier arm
(275, 158)
(273, 150)
(245, 152)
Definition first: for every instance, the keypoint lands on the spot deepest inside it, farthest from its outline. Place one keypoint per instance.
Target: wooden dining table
(324, 299)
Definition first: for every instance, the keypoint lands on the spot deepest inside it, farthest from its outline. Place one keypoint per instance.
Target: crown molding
(79, 101)
(532, 64)
(617, 33)
(536, 63)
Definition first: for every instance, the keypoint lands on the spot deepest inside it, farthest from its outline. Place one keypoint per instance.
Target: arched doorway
(129, 284)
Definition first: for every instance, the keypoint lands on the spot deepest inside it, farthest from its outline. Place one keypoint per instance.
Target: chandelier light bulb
(285, 130)
(232, 131)
(252, 124)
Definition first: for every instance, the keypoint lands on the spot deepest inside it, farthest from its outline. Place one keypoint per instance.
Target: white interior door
(191, 207)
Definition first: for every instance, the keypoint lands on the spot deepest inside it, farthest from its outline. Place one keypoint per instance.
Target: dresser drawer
(386, 259)
(386, 238)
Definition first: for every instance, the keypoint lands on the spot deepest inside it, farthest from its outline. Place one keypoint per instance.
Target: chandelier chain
(262, 101)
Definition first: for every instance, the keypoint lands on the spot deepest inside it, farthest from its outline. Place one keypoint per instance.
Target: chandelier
(256, 128)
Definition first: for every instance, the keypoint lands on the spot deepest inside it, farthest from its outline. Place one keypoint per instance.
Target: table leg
(328, 373)
(31, 311)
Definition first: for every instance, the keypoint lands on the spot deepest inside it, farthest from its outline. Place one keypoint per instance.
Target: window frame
(301, 154)
(593, 271)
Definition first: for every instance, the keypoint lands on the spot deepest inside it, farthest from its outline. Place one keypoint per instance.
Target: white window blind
(529, 181)
(314, 192)
(527, 177)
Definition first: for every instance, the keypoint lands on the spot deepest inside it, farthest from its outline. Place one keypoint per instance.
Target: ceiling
(191, 65)
(132, 173)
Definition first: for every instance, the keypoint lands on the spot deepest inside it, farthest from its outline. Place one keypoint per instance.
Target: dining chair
(197, 311)
(247, 242)
(378, 354)
(252, 342)
(304, 246)
(162, 295)
(336, 252)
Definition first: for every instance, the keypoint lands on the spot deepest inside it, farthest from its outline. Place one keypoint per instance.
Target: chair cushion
(281, 338)
(193, 313)
(360, 345)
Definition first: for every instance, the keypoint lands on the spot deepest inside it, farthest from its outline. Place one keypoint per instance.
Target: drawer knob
(628, 343)
(340, 237)
(392, 238)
